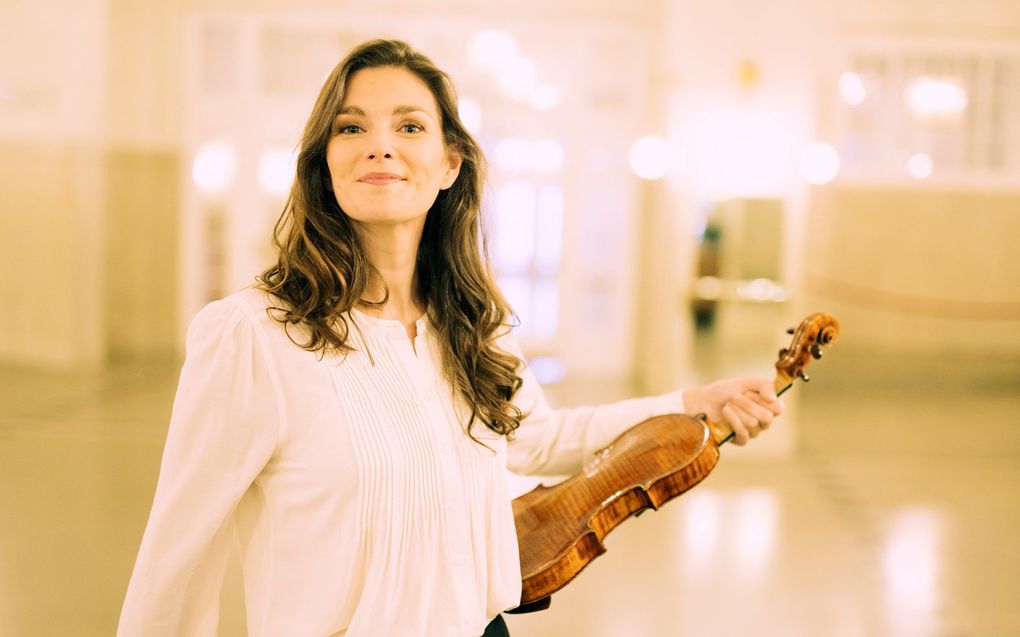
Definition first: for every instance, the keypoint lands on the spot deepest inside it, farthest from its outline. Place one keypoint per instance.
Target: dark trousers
(496, 628)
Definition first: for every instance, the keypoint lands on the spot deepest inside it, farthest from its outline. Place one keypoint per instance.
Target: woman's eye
(411, 127)
(348, 129)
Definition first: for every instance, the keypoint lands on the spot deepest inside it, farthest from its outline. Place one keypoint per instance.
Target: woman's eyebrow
(403, 110)
(398, 110)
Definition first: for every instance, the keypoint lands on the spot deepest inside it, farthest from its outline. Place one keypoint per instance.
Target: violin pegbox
(816, 331)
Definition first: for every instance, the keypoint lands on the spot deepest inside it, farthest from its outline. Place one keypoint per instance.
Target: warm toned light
(851, 88)
(545, 96)
(920, 166)
(546, 309)
(935, 99)
(547, 156)
(518, 290)
(649, 157)
(702, 524)
(214, 167)
(516, 77)
(529, 156)
(470, 112)
(514, 231)
(492, 48)
(754, 528)
(549, 229)
(911, 569)
(762, 290)
(547, 369)
(276, 170)
(819, 163)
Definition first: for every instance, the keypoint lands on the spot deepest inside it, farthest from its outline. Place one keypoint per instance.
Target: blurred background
(673, 184)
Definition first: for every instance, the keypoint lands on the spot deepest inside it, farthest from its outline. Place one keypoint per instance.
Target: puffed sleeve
(224, 427)
(560, 441)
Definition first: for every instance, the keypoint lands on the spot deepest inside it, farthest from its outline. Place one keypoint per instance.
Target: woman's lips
(380, 179)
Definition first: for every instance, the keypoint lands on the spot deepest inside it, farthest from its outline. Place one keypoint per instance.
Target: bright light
(518, 292)
(757, 518)
(214, 167)
(649, 157)
(819, 163)
(276, 170)
(546, 309)
(911, 570)
(514, 232)
(516, 77)
(851, 88)
(547, 156)
(709, 288)
(740, 150)
(513, 154)
(527, 156)
(934, 100)
(702, 523)
(492, 48)
(470, 112)
(549, 229)
(547, 370)
(762, 290)
(920, 166)
(545, 96)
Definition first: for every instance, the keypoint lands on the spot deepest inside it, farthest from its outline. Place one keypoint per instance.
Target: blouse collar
(389, 327)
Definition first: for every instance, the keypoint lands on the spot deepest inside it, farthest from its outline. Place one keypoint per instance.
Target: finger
(774, 405)
(763, 386)
(751, 423)
(741, 435)
(762, 416)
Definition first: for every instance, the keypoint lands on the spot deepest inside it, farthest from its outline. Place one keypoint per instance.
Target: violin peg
(803, 376)
(790, 330)
(816, 351)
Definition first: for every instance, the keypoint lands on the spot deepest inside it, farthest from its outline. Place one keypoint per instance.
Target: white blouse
(361, 506)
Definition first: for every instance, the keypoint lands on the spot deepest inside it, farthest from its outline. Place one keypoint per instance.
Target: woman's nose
(380, 146)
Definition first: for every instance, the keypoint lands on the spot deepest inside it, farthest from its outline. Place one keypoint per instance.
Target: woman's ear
(454, 160)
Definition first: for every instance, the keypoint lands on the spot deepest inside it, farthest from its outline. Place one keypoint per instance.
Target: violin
(560, 528)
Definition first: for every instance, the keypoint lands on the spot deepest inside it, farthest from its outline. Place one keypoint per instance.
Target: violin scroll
(816, 331)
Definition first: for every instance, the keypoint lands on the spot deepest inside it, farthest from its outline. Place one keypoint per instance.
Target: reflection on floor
(898, 515)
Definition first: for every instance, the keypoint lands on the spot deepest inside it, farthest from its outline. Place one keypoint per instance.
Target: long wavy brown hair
(322, 271)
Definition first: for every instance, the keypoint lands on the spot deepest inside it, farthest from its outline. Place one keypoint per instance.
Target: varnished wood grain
(560, 529)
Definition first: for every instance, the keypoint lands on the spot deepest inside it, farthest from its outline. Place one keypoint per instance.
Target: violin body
(561, 528)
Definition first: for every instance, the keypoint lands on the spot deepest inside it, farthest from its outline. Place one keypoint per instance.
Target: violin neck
(723, 432)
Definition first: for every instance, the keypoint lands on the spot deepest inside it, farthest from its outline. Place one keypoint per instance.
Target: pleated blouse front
(361, 506)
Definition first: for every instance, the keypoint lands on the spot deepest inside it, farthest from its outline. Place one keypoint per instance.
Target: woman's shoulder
(252, 300)
(249, 306)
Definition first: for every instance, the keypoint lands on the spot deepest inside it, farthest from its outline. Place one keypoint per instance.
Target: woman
(352, 417)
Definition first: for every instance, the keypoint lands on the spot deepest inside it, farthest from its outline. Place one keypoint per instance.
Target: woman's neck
(393, 250)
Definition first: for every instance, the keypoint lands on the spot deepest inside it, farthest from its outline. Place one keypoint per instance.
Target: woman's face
(386, 155)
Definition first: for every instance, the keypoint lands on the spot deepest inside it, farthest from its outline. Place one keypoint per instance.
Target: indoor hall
(671, 186)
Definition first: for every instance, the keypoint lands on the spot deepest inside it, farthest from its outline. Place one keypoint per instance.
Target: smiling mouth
(380, 179)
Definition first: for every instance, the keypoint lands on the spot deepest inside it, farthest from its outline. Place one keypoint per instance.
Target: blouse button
(459, 560)
(452, 506)
(445, 449)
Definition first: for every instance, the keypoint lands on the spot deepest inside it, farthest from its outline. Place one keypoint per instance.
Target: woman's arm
(224, 428)
(559, 441)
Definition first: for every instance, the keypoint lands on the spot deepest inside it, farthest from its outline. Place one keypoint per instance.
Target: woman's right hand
(747, 404)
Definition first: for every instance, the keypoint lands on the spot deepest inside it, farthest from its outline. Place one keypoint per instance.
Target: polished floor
(897, 515)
